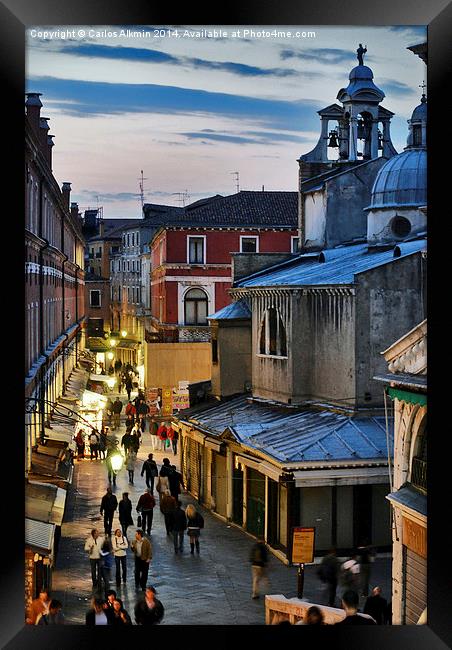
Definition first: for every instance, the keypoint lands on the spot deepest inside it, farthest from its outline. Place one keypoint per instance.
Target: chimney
(74, 211)
(33, 109)
(50, 144)
(66, 192)
(43, 133)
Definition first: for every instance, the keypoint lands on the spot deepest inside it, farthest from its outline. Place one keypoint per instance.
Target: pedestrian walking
(173, 435)
(121, 616)
(99, 614)
(130, 409)
(93, 545)
(109, 410)
(118, 366)
(126, 441)
(94, 444)
(129, 386)
(105, 564)
(108, 506)
(80, 442)
(38, 607)
(165, 469)
(258, 559)
(150, 469)
(130, 421)
(350, 601)
(117, 408)
(149, 610)
(142, 423)
(120, 545)
(175, 482)
(103, 442)
(142, 550)
(111, 595)
(162, 436)
(377, 607)
(110, 471)
(54, 616)
(366, 556)
(328, 573)
(145, 506)
(130, 464)
(125, 512)
(168, 505)
(350, 574)
(178, 527)
(195, 522)
(155, 440)
(134, 440)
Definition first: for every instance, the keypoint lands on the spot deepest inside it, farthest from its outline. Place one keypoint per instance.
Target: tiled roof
(246, 208)
(309, 270)
(298, 435)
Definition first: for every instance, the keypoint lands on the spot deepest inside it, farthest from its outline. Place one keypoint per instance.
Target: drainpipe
(42, 346)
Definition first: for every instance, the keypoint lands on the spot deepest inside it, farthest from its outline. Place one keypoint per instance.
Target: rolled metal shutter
(192, 468)
(415, 572)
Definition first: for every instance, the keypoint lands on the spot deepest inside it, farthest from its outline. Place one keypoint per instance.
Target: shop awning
(39, 535)
(97, 344)
(407, 396)
(270, 470)
(45, 502)
(341, 476)
(213, 444)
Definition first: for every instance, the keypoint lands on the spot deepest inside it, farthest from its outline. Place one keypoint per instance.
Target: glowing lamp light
(113, 342)
(111, 382)
(116, 462)
(110, 355)
(123, 334)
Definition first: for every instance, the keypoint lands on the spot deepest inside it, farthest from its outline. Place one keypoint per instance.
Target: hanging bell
(361, 134)
(380, 140)
(333, 139)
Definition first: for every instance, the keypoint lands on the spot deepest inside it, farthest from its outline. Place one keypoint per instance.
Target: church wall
(347, 195)
(379, 223)
(389, 302)
(314, 219)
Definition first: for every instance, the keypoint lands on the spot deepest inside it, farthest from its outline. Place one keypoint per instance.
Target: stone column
(374, 139)
(324, 138)
(245, 495)
(386, 139)
(230, 487)
(353, 140)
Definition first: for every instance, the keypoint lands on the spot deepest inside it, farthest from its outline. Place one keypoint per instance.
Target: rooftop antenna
(236, 174)
(182, 196)
(142, 179)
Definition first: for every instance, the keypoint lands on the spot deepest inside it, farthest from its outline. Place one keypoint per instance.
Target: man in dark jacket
(99, 614)
(108, 506)
(377, 606)
(117, 408)
(350, 601)
(328, 573)
(149, 610)
(111, 472)
(175, 482)
(126, 441)
(145, 505)
(178, 523)
(125, 512)
(151, 470)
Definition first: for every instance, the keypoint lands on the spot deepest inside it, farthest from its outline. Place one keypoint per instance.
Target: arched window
(195, 307)
(273, 339)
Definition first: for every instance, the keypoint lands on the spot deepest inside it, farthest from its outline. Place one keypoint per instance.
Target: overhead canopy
(39, 535)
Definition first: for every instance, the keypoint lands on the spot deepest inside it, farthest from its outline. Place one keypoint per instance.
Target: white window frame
(256, 237)
(297, 239)
(204, 237)
(91, 291)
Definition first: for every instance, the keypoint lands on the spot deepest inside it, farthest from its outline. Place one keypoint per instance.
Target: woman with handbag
(195, 522)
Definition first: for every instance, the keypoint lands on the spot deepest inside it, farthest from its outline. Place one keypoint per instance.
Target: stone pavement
(212, 588)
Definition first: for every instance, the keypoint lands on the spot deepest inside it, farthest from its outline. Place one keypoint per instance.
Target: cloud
(395, 88)
(100, 99)
(324, 55)
(232, 139)
(146, 55)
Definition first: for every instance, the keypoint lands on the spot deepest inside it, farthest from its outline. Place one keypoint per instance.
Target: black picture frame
(15, 16)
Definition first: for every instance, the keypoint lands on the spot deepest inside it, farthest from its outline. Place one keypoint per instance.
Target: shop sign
(167, 401)
(414, 537)
(303, 545)
(181, 399)
(152, 400)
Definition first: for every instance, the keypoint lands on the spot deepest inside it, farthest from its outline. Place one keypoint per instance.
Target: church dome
(361, 72)
(402, 181)
(420, 112)
(361, 87)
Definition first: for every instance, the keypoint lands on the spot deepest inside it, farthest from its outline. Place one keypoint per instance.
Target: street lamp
(113, 342)
(123, 334)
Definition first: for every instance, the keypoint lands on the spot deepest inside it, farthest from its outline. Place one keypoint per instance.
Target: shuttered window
(415, 587)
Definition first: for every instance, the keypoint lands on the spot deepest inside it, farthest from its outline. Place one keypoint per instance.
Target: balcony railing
(419, 474)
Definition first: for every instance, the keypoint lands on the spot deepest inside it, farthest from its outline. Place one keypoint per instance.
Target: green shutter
(407, 396)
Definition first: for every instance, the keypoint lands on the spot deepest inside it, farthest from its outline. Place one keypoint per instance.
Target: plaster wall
(166, 364)
(379, 223)
(233, 369)
(314, 219)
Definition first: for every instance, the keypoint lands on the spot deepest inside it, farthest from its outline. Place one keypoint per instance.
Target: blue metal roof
(237, 309)
(402, 181)
(310, 271)
(301, 435)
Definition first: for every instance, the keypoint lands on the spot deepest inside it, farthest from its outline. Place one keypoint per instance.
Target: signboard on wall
(181, 399)
(303, 545)
(414, 537)
(167, 401)
(152, 400)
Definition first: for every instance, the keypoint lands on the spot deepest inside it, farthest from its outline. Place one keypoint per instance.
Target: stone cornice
(409, 353)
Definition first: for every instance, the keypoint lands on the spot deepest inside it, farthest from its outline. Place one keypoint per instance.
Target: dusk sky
(189, 111)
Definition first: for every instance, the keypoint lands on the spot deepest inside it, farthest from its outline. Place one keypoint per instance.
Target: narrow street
(212, 588)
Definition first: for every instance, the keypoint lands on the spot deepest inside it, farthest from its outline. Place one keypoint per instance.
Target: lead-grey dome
(402, 181)
(420, 112)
